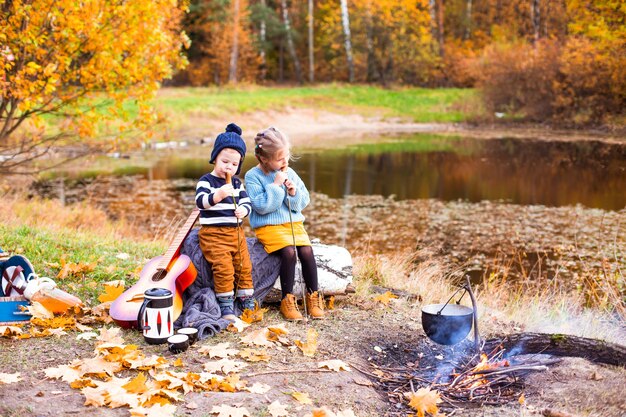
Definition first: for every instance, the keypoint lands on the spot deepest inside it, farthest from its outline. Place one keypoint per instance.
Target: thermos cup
(156, 315)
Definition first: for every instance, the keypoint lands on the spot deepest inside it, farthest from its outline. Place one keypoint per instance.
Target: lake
(417, 166)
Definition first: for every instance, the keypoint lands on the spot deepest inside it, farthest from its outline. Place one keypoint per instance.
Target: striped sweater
(270, 202)
(222, 213)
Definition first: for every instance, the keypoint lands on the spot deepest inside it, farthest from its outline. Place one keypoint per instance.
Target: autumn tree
(77, 64)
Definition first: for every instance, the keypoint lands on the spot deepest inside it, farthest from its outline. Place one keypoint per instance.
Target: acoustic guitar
(171, 271)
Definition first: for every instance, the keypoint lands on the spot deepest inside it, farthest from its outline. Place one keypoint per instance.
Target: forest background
(561, 61)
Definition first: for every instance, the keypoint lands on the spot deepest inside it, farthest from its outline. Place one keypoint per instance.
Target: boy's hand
(291, 187)
(240, 212)
(223, 192)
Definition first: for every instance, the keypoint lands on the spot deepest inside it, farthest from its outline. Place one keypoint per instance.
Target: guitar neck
(175, 245)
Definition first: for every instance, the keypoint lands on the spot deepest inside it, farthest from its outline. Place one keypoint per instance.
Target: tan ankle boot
(289, 308)
(315, 305)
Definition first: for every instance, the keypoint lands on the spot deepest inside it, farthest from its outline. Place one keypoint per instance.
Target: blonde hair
(269, 141)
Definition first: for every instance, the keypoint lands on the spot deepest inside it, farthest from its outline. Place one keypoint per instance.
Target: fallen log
(594, 350)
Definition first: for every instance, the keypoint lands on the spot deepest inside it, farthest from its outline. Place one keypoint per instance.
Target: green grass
(413, 104)
(45, 247)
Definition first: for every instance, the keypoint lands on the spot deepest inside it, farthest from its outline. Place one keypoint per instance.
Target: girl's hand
(280, 178)
(240, 212)
(291, 187)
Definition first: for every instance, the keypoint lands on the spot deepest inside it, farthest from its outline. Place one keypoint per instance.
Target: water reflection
(422, 166)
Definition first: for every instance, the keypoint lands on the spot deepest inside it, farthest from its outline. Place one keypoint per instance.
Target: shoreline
(324, 127)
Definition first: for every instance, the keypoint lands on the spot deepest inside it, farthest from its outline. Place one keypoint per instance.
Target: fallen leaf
(310, 346)
(110, 335)
(228, 411)
(254, 355)
(191, 406)
(385, 298)
(252, 316)
(522, 399)
(334, 365)
(7, 331)
(424, 401)
(330, 304)
(167, 410)
(137, 385)
(237, 326)
(178, 362)
(224, 365)
(9, 378)
(221, 350)
(258, 388)
(257, 337)
(302, 397)
(86, 336)
(276, 409)
(71, 268)
(111, 292)
(57, 332)
(39, 311)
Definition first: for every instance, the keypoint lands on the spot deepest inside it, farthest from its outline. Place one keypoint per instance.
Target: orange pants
(225, 248)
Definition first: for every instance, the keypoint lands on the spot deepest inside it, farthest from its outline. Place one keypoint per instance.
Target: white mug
(156, 315)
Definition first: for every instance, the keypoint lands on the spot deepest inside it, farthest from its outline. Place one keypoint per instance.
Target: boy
(223, 203)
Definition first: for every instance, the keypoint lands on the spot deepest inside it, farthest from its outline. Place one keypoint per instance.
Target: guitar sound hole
(159, 275)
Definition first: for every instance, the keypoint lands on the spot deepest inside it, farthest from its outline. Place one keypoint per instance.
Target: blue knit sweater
(269, 201)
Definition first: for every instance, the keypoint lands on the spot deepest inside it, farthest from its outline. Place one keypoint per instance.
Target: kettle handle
(142, 310)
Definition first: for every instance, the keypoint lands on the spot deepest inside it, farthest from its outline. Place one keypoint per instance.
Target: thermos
(156, 315)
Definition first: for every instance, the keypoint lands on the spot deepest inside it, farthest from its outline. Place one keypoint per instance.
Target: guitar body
(179, 275)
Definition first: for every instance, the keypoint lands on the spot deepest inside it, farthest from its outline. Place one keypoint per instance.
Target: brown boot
(289, 308)
(315, 305)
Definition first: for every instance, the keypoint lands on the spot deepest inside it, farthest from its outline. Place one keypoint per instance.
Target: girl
(273, 189)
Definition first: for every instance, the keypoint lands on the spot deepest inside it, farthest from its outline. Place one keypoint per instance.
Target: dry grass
(54, 216)
(541, 308)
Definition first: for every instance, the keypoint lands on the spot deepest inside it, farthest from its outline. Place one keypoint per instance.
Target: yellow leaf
(302, 397)
(258, 388)
(424, 401)
(157, 410)
(385, 298)
(111, 292)
(252, 316)
(137, 385)
(39, 311)
(330, 304)
(254, 355)
(7, 331)
(522, 399)
(178, 362)
(309, 347)
(237, 326)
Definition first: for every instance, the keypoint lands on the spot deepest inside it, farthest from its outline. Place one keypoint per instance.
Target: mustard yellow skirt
(275, 237)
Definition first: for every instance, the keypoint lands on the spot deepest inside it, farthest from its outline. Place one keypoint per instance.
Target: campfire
(465, 379)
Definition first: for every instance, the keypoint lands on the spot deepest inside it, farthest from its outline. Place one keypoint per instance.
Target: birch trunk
(262, 31)
(345, 21)
(536, 19)
(440, 15)
(311, 57)
(290, 45)
(234, 53)
(468, 17)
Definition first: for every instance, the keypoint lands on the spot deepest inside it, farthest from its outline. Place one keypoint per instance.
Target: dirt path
(360, 332)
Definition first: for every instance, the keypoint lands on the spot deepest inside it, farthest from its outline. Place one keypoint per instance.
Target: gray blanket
(200, 309)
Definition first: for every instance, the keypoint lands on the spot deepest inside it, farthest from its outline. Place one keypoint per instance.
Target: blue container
(10, 309)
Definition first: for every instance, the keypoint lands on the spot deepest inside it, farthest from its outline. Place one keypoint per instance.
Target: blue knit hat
(231, 138)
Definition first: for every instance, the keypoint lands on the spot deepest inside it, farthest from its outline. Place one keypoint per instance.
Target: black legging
(288, 267)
